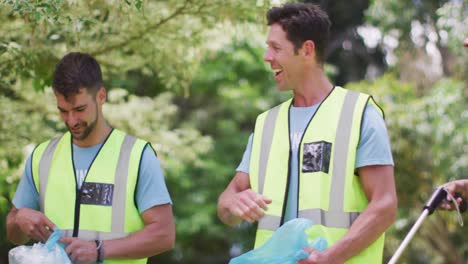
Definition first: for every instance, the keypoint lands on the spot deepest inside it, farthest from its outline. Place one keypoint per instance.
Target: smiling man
(102, 187)
(322, 155)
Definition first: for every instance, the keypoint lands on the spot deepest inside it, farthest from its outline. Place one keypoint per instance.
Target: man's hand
(34, 224)
(239, 202)
(317, 257)
(453, 187)
(249, 205)
(80, 251)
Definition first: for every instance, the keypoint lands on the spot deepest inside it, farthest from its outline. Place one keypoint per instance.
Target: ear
(308, 48)
(101, 95)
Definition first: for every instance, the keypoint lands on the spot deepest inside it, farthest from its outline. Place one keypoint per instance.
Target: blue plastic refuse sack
(284, 247)
(52, 252)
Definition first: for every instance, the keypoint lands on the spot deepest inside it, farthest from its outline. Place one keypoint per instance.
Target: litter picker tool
(437, 197)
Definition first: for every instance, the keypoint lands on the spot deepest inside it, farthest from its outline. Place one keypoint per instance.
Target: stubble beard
(88, 129)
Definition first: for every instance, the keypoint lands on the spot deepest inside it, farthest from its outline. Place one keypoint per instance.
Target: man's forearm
(367, 228)
(151, 240)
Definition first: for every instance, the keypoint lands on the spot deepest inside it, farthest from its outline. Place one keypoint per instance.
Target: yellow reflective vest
(329, 192)
(104, 207)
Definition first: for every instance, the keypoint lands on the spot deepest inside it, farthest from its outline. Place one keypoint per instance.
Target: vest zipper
(287, 189)
(76, 223)
(76, 219)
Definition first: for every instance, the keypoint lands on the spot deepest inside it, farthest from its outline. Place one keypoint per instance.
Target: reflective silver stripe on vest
(340, 158)
(267, 139)
(120, 186)
(120, 189)
(44, 168)
(335, 217)
(329, 218)
(93, 235)
(269, 222)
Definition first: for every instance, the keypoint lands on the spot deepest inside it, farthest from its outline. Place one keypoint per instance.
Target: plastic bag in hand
(284, 247)
(52, 252)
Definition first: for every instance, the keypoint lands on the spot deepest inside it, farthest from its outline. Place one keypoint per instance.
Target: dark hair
(75, 71)
(302, 22)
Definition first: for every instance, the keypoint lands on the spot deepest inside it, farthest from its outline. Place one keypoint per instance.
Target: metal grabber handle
(437, 197)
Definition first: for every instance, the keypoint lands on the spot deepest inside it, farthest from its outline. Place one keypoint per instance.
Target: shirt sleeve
(244, 166)
(26, 195)
(374, 145)
(151, 188)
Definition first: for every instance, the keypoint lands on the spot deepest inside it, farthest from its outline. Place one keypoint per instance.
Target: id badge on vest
(97, 193)
(316, 156)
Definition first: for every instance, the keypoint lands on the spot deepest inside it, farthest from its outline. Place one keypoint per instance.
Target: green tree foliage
(346, 50)
(163, 39)
(452, 21)
(426, 37)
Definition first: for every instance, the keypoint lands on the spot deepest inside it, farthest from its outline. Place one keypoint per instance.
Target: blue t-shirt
(151, 188)
(373, 148)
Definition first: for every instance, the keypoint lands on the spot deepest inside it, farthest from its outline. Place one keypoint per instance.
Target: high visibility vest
(104, 208)
(329, 193)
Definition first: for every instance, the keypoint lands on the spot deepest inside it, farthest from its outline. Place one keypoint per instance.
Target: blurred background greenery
(188, 76)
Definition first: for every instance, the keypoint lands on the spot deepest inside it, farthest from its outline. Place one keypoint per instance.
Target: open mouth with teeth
(278, 71)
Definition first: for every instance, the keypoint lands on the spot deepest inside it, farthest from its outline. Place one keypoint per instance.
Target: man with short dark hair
(322, 155)
(102, 187)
